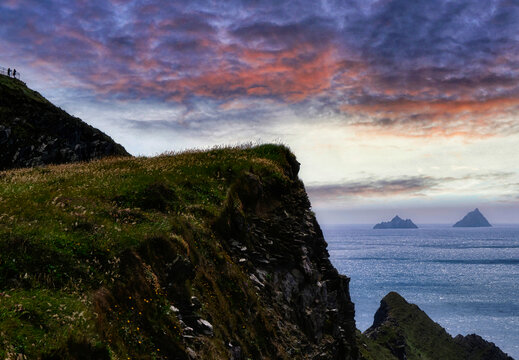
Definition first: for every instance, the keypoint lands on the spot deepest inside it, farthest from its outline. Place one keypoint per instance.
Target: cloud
(414, 68)
(391, 187)
(371, 187)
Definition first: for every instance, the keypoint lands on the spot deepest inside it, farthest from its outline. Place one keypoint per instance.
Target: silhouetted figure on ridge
(9, 72)
(14, 73)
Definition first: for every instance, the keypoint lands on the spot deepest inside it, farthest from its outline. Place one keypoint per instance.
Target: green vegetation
(423, 338)
(403, 331)
(18, 88)
(93, 255)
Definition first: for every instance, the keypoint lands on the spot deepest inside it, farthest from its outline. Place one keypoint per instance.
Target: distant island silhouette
(396, 223)
(473, 219)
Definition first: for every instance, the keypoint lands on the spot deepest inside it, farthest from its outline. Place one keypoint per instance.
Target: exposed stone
(205, 327)
(191, 353)
(195, 303)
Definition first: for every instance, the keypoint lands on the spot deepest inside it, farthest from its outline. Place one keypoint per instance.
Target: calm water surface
(465, 279)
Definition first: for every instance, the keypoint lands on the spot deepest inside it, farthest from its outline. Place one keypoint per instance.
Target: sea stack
(473, 219)
(396, 223)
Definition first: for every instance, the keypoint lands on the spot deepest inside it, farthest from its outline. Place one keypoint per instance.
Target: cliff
(473, 219)
(34, 132)
(208, 255)
(396, 223)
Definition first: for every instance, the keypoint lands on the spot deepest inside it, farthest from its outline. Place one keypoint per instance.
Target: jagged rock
(256, 281)
(191, 353)
(473, 219)
(396, 223)
(188, 331)
(285, 243)
(205, 327)
(195, 303)
(236, 352)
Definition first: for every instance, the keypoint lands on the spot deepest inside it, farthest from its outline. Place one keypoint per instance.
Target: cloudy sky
(392, 106)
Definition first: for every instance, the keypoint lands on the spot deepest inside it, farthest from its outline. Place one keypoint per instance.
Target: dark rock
(33, 132)
(195, 303)
(191, 353)
(205, 327)
(473, 219)
(236, 352)
(479, 348)
(396, 223)
(289, 265)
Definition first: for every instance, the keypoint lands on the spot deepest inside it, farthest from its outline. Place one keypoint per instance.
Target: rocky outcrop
(408, 333)
(396, 223)
(275, 237)
(34, 132)
(473, 219)
(478, 348)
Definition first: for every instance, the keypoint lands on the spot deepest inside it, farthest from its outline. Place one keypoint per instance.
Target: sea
(465, 279)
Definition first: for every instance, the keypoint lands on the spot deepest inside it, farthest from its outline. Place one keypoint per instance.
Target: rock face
(34, 132)
(401, 330)
(396, 223)
(473, 219)
(278, 242)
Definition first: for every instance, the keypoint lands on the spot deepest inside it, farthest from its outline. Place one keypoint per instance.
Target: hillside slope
(210, 255)
(34, 132)
(404, 331)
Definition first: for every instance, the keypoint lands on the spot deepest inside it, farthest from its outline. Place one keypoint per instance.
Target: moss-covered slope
(34, 132)
(403, 331)
(210, 255)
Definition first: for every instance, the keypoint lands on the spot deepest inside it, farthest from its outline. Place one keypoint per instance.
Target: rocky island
(396, 223)
(200, 255)
(473, 219)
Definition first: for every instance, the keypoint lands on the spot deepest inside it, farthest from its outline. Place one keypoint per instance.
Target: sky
(407, 107)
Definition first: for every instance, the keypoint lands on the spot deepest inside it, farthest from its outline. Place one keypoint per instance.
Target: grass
(16, 86)
(423, 338)
(84, 248)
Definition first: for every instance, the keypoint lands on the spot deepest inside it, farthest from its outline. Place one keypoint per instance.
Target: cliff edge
(200, 255)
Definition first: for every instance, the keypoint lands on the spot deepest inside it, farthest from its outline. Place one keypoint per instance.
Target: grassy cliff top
(65, 230)
(118, 201)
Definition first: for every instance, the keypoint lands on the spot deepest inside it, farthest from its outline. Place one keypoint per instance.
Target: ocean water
(465, 279)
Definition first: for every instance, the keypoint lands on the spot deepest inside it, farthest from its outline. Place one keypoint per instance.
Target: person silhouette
(9, 72)
(14, 73)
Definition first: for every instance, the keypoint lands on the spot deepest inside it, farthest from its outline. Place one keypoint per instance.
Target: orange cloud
(437, 118)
